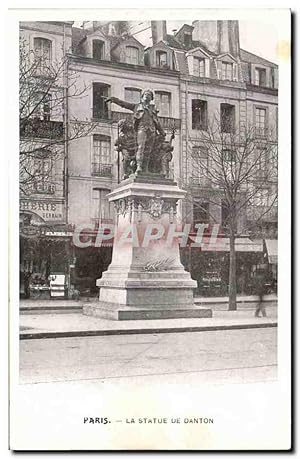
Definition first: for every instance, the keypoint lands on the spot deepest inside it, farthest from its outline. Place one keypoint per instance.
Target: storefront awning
(272, 250)
(223, 245)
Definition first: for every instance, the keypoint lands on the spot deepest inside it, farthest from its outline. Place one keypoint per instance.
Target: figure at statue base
(142, 140)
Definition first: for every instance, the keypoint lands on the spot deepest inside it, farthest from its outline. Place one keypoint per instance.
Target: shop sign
(49, 211)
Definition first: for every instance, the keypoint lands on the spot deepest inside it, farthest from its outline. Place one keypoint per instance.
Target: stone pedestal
(146, 279)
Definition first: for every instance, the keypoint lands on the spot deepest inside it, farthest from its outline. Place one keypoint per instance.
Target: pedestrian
(260, 288)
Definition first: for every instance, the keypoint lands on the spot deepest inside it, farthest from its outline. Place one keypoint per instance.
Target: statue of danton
(142, 141)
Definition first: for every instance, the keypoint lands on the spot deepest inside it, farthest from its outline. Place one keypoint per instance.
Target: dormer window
(260, 77)
(161, 59)
(199, 67)
(98, 49)
(226, 71)
(132, 55)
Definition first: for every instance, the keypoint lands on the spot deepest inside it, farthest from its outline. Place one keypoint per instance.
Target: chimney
(159, 31)
(218, 36)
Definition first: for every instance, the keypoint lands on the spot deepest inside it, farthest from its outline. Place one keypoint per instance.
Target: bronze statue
(146, 126)
(126, 143)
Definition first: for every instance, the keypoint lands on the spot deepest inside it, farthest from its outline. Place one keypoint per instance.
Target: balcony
(166, 123)
(44, 129)
(102, 170)
(200, 182)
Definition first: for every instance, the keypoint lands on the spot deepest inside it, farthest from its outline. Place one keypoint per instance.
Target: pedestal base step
(117, 312)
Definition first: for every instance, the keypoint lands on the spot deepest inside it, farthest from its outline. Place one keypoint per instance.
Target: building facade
(198, 74)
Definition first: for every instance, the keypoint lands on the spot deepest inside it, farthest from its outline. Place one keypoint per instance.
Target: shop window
(163, 103)
(102, 211)
(199, 67)
(132, 55)
(226, 71)
(199, 114)
(227, 112)
(133, 95)
(260, 121)
(100, 93)
(98, 49)
(161, 59)
(201, 212)
(101, 164)
(43, 54)
(260, 77)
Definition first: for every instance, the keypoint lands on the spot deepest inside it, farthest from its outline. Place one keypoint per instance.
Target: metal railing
(102, 170)
(166, 122)
(36, 127)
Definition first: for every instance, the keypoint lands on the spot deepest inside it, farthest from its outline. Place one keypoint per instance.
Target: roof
(173, 42)
(181, 62)
(77, 36)
(254, 59)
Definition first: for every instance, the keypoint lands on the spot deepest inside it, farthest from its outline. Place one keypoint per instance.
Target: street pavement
(63, 324)
(211, 357)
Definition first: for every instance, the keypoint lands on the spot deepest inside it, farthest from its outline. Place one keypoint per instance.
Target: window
(262, 161)
(229, 155)
(199, 114)
(260, 77)
(132, 55)
(224, 214)
(100, 93)
(226, 71)
(227, 118)
(42, 172)
(43, 51)
(101, 206)
(199, 67)
(261, 197)
(98, 49)
(133, 95)
(42, 110)
(201, 212)
(199, 166)
(163, 103)
(101, 164)
(161, 59)
(260, 121)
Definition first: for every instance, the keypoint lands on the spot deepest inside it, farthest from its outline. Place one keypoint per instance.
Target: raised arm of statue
(121, 103)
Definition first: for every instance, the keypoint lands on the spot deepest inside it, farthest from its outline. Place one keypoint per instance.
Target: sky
(258, 37)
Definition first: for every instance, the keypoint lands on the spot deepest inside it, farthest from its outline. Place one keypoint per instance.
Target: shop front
(45, 249)
(209, 265)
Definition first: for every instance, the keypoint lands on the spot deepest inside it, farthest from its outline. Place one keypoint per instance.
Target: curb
(132, 331)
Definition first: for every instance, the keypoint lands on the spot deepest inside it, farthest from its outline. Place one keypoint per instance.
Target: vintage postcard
(150, 229)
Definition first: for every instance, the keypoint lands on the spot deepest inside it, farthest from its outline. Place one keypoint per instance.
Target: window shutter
(207, 68)
(275, 78)
(219, 69)
(235, 72)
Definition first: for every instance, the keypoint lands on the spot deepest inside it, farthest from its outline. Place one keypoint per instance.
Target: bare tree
(238, 170)
(46, 127)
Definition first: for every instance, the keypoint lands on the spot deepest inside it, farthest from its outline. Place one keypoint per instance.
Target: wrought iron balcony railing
(166, 122)
(102, 170)
(44, 129)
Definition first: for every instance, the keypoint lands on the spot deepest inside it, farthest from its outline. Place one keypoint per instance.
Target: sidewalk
(64, 306)
(35, 326)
